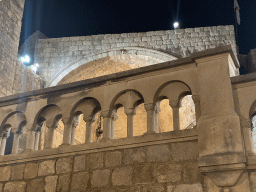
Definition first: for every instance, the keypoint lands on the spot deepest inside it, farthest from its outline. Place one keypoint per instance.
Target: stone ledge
(63, 151)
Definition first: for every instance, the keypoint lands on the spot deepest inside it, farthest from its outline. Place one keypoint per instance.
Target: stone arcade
(202, 143)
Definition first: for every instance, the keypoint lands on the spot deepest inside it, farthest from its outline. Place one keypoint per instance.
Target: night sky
(65, 18)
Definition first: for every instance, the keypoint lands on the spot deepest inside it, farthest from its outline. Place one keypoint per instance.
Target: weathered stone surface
(51, 183)
(36, 185)
(95, 160)
(253, 180)
(158, 153)
(209, 186)
(184, 151)
(143, 174)
(191, 172)
(170, 188)
(100, 178)
(63, 183)
(113, 159)
(18, 171)
(5, 173)
(134, 155)
(15, 186)
(46, 168)
(31, 170)
(1, 187)
(168, 173)
(63, 165)
(122, 176)
(79, 182)
(79, 164)
(188, 188)
(153, 188)
(130, 189)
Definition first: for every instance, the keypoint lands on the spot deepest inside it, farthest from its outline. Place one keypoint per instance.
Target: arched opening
(120, 123)
(187, 113)
(253, 119)
(140, 120)
(9, 144)
(165, 116)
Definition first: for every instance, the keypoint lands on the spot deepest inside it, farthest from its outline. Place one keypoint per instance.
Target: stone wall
(56, 54)
(14, 76)
(169, 167)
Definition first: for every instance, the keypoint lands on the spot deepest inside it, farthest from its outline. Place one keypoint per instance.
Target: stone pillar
(15, 145)
(106, 125)
(247, 134)
(74, 124)
(197, 106)
(221, 149)
(130, 113)
(114, 117)
(50, 136)
(5, 135)
(1, 141)
(67, 131)
(157, 111)
(37, 135)
(150, 118)
(88, 136)
(175, 105)
(30, 140)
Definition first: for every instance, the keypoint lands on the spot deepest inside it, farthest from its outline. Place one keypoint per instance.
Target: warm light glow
(25, 59)
(176, 25)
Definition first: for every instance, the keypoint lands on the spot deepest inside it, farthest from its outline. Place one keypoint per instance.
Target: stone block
(184, 151)
(79, 181)
(189, 188)
(156, 38)
(79, 164)
(95, 160)
(143, 174)
(170, 188)
(191, 172)
(153, 188)
(36, 185)
(146, 38)
(113, 159)
(63, 183)
(46, 168)
(130, 189)
(122, 176)
(158, 153)
(168, 173)
(15, 186)
(51, 183)
(100, 178)
(63, 165)
(5, 173)
(253, 180)
(134, 155)
(18, 171)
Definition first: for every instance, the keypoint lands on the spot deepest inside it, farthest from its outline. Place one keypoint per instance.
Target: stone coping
(94, 82)
(243, 78)
(108, 145)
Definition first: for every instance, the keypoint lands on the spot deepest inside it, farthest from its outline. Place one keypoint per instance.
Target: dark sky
(65, 18)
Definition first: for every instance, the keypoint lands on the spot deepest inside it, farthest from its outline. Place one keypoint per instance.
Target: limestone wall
(14, 76)
(169, 167)
(56, 54)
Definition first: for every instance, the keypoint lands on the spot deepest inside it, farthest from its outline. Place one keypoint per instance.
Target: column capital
(88, 118)
(149, 106)
(196, 98)
(174, 103)
(130, 111)
(106, 114)
(114, 116)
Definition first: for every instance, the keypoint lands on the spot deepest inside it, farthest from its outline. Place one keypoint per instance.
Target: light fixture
(25, 59)
(176, 25)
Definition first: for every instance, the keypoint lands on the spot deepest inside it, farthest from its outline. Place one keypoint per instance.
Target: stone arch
(127, 51)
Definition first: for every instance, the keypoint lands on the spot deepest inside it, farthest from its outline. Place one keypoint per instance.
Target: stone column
(150, 118)
(37, 135)
(247, 134)
(30, 140)
(73, 126)
(175, 105)
(157, 111)
(67, 131)
(106, 125)
(88, 136)
(15, 145)
(130, 113)
(50, 136)
(114, 117)
(197, 106)
(5, 135)
(1, 141)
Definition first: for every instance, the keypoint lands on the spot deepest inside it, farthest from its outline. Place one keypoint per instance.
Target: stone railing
(216, 150)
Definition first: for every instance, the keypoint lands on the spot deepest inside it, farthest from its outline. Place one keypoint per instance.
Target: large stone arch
(139, 56)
